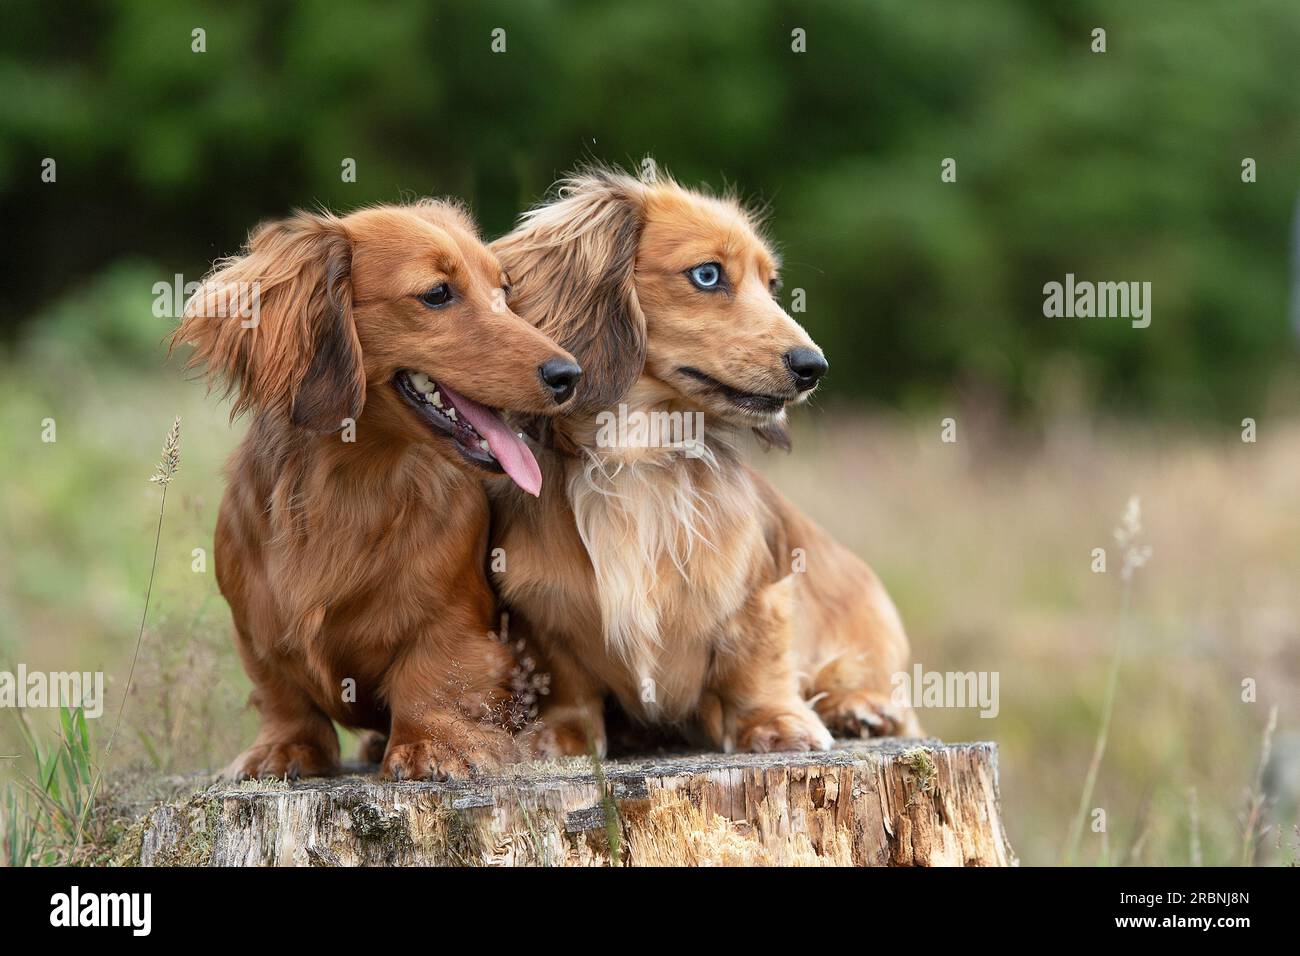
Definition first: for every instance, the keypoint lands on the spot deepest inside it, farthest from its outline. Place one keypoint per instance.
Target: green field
(986, 545)
(925, 169)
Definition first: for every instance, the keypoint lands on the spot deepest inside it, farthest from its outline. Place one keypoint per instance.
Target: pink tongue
(514, 456)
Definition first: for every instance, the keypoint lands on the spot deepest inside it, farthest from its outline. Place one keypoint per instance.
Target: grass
(1134, 555)
(162, 476)
(986, 546)
(42, 817)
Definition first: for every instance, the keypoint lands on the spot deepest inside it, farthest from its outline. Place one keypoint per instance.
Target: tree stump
(866, 803)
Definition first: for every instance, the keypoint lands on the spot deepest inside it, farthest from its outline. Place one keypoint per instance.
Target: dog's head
(639, 277)
(399, 311)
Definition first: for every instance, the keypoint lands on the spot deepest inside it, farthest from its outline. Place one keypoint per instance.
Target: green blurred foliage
(1117, 166)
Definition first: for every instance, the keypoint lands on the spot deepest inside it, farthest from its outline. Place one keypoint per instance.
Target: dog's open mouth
(756, 402)
(479, 433)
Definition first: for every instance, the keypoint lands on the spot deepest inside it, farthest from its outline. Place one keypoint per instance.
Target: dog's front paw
(285, 760)
(477, 751)
(795, 729)
(861, 713)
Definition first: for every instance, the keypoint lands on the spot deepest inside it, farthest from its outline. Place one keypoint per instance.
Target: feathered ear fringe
(274, 326)
(572, 265)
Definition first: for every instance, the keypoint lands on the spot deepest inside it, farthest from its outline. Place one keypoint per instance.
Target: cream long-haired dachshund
(679, 581)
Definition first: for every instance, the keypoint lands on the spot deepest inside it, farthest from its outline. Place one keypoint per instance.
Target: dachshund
(668, 575)
(375, 352)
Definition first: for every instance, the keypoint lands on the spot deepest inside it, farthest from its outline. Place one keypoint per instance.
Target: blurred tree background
(1120, 166)
(927, 296)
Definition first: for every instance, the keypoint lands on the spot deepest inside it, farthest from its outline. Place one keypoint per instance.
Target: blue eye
(707, 275)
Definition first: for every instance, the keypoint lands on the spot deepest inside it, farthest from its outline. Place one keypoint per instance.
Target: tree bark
(866, 803)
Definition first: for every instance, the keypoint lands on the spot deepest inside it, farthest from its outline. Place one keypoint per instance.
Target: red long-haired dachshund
(375, 352)
(675, 579)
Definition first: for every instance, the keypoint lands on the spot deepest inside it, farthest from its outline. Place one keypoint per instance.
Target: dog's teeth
(484, 445)
(436, 398)
(420, 381)
(451, 413)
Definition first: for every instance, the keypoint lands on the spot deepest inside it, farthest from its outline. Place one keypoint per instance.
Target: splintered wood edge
(581, 770)
(875, 802)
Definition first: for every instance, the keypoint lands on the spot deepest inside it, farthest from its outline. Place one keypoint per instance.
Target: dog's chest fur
(344, 579)
(674, 546)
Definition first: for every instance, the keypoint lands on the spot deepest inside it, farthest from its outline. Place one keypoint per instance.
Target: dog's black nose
(559, 375)
(807, 366)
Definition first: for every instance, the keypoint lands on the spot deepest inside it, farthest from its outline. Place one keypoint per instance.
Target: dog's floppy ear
(572, 265)
(274, 324)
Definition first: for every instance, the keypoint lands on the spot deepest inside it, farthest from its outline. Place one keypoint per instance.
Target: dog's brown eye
(436, 297)
(775, 285)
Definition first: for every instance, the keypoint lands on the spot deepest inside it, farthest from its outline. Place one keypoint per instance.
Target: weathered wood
(870, 803)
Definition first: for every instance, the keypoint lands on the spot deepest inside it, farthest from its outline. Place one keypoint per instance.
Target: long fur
(351, 540)
(287, 306)
(634, 515)
(586, 242)
(644, 568)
